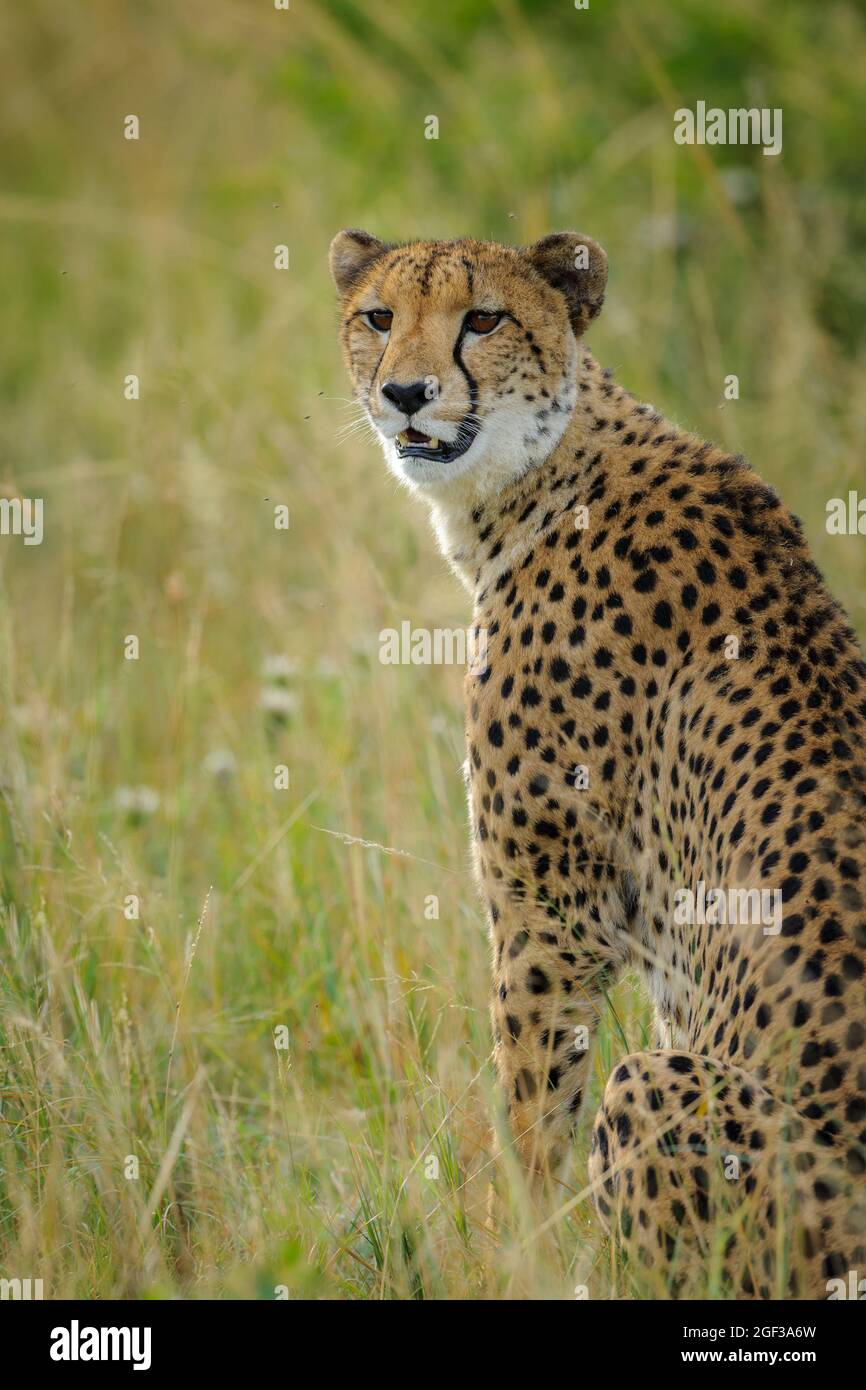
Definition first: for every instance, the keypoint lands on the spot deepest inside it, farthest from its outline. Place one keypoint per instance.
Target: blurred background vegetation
(306, 1168)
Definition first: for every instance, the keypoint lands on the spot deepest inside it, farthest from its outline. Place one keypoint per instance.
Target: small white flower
(220, 764)
(275, 700)
(137, 801)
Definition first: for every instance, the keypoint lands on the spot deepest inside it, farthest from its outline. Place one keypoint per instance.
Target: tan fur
(608, 650)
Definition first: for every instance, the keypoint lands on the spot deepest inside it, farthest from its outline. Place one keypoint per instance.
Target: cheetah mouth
(415, 444)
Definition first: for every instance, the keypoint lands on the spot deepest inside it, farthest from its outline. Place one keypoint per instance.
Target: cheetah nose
(408, 398)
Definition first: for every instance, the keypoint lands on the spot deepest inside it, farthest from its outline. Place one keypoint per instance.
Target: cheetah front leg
(549, 974)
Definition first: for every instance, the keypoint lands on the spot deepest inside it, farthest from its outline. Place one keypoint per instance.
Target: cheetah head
(463, 353)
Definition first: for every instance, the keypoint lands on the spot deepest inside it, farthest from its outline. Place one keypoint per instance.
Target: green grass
(307, 1168)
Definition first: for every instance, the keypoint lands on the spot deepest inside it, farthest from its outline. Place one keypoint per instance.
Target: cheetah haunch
(671, 699)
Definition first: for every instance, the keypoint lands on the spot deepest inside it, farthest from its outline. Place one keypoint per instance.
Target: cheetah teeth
(403, 438)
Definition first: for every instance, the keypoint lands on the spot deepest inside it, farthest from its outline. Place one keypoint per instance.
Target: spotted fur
(608, 650)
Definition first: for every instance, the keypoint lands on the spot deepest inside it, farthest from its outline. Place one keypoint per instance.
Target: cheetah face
(463, 354)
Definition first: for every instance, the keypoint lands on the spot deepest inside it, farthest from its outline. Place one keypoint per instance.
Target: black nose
(407, 398)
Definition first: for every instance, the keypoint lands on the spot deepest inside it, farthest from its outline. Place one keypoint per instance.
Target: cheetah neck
(483, 537)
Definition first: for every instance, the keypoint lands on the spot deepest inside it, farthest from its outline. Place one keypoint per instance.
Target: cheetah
(665, 735)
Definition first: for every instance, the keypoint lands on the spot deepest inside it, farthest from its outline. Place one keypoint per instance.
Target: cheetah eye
(380, 319)
(482, 321)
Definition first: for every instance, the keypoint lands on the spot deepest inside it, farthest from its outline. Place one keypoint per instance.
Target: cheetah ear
(352, 251)
(577, 266)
